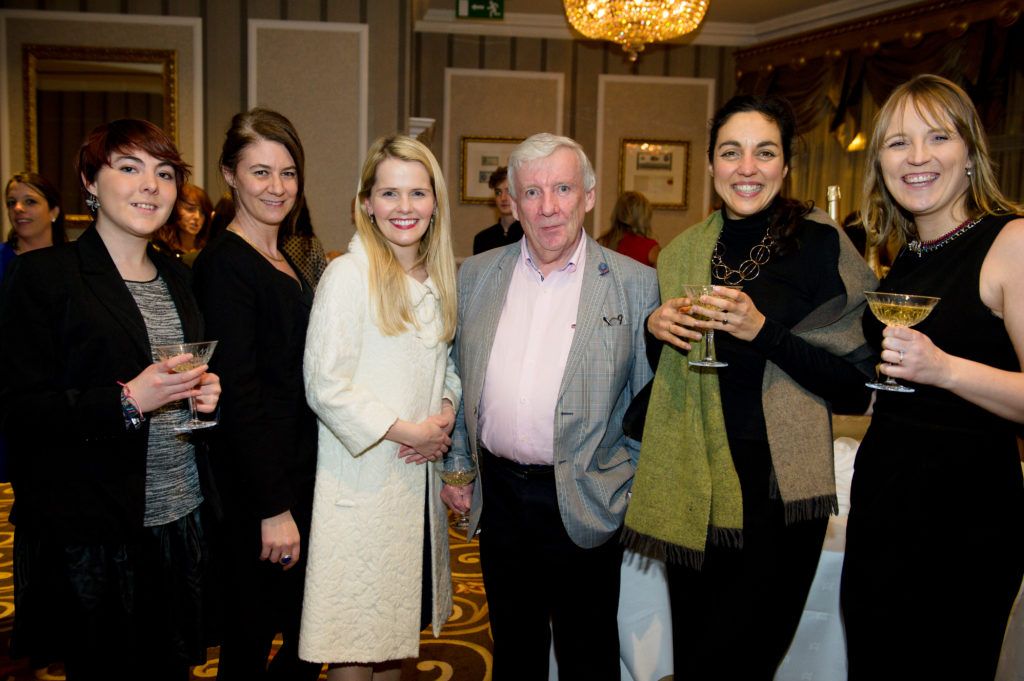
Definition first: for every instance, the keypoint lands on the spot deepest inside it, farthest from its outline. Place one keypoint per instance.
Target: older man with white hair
(550, 349)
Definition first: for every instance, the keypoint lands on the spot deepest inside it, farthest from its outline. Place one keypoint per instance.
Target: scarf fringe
(728, 537)
(811, 509)
(659, 549)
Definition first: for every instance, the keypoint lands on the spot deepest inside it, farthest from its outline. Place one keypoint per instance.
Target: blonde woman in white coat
(379, 377)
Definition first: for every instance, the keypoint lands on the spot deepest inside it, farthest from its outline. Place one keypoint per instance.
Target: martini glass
(898, 309)
(694, 292)
(457, 473)
(201, 353)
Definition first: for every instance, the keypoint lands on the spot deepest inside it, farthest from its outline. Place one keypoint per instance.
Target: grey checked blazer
(606, 366)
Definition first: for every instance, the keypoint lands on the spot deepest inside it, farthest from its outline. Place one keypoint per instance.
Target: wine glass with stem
(898, 309)
(694, 292)
(201, 354)
(457, 473)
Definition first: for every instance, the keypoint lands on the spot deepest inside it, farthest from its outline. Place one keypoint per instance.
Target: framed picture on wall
(481, 156)
(658, 169)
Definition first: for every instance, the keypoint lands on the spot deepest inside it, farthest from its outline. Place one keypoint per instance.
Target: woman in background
(256, 303)
(110, 553)
(305, 249)
(37, 221)
(933, 554)
(630, 233)
(380, 379)
(187, 232)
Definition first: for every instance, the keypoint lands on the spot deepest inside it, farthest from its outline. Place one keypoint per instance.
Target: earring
(373, 219)
(431, 225)
(969, 173)
(92, 202)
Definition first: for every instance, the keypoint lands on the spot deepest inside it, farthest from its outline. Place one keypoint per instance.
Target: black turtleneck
(787, 289)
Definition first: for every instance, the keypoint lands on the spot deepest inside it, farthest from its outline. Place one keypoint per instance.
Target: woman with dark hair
(189, 228)
(736, 481)
(109, 554)
(257, 304)
(630, 233)
(933, 557)
(37, 221)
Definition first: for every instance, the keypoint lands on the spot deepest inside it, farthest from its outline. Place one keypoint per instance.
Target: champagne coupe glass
(201, 353)
(898, 309)
(694, 292)
(457, 473)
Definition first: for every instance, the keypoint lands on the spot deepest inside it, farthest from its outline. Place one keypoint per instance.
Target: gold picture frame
(657, 168)
(480, 157)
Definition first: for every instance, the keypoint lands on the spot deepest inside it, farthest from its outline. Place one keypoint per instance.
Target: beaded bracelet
(133, 416)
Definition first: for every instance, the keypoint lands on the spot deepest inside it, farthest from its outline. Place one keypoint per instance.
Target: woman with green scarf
(736, 481)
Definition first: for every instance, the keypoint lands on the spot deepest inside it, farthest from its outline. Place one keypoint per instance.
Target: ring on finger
(725, 318)
(901, 357)
(286, 558)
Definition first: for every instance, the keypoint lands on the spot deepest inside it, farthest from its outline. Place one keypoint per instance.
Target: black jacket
(69, 331)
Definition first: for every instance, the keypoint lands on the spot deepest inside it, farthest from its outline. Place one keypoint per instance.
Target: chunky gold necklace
(748, 270)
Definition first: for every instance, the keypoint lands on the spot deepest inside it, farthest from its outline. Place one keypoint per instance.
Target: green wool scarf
(686, 482)
(686, 490)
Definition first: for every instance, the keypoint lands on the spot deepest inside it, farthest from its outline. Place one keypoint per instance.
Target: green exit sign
(480, 9)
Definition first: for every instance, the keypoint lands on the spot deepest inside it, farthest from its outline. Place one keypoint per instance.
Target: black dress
(263, 452)
(934, 557)
(736, 617)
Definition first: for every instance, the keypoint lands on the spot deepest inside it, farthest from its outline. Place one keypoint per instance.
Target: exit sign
(480, 9)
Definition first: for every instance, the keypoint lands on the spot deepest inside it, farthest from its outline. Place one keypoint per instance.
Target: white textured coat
(363, 577)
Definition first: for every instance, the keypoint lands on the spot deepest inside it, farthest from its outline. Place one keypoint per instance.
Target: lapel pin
(602, 268)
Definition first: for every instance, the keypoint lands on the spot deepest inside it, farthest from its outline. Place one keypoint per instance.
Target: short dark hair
(497, 177)
(249, 127)
(121, 136)
(775, 109)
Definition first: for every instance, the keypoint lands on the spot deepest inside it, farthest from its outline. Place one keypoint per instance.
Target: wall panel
(316, 74)
(656, 108)
(519, 103)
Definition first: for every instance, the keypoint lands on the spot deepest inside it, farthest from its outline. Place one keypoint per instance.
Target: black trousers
(539, 582)
(736, 617)
(260, 600)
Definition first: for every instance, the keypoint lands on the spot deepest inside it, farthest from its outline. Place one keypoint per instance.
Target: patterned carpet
(462, 652)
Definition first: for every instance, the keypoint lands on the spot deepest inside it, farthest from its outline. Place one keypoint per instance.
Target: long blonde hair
(388, 287)
(942, 103)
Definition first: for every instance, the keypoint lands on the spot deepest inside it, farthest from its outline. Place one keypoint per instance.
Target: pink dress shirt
(531, 345)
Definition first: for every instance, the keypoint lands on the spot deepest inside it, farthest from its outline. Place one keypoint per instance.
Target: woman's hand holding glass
(159, 384)
(671, 323)
(911, 355)
(730, 310)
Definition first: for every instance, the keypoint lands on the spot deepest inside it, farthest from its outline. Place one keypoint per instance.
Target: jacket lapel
(597, 281)
(101, 276)
(488, 296)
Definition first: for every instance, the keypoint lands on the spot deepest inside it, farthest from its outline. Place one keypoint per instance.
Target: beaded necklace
(748, 270)
(921, 247)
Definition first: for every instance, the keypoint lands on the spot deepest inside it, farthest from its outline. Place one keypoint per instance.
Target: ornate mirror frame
(31, 54)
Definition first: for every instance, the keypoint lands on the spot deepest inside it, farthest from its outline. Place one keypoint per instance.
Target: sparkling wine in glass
(457, 473)
(898, 309)
(201, 354)
(694, 292)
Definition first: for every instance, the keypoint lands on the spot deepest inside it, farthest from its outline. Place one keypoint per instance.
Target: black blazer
(69, 330)
(264, 451)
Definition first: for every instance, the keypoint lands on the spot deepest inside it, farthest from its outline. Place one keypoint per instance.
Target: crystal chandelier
(634, 23)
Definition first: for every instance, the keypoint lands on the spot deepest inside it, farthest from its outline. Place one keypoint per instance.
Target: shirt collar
(574, 264)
